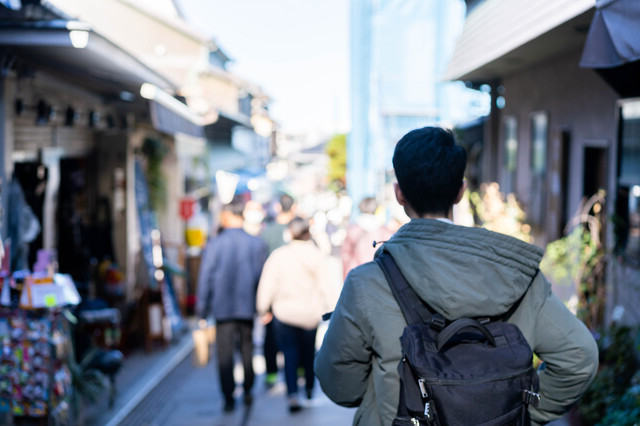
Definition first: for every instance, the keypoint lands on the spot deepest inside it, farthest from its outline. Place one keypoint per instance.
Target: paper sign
(46, 295)
(5, 297)
(50, 300)
(71, 295)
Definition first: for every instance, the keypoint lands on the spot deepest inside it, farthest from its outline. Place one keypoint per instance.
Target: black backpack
(465, 372)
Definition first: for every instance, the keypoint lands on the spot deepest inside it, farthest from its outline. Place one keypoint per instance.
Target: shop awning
(72, 51)
(614, 35)
(221, 131)
(612, 47)
(171, 116)
(503, 36)
(225, 157)
(11, 4)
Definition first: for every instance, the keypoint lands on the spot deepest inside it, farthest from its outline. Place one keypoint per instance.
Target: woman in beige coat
(292, 289)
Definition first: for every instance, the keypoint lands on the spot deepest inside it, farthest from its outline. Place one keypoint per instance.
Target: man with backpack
(461, 273)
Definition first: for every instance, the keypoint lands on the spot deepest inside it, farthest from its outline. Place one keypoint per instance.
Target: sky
(295, 50)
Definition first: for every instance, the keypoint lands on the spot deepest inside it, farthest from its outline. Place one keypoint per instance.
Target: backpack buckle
(484, 320)
(530, 398)
(437, 322)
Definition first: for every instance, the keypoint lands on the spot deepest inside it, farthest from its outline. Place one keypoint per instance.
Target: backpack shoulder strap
(415, 311)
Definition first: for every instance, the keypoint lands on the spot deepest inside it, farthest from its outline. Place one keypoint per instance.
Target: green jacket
(460, 272)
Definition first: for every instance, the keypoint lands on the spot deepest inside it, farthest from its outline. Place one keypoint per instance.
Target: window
(245, 104)
(627, 221)
(510, 143)
(510, 162)
(536, 211)
(539, 132)
(630, 144)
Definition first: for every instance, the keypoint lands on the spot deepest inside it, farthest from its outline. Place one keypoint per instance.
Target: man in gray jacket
(460, 272)
(228, 279)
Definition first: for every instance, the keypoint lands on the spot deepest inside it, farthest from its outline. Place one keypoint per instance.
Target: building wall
(399, 51)
(219, 92)
(577, 101)
(167, 45)
(175, 53)
(54, 140)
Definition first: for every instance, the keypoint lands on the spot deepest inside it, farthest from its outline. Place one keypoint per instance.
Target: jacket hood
(463, 271)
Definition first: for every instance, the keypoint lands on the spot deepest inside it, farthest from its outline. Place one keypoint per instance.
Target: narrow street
(167, 389)
(164, 387)
(191, 396)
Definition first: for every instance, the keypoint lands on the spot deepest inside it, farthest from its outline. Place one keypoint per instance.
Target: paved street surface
(170, 391)
(165, 388)
(191, 396)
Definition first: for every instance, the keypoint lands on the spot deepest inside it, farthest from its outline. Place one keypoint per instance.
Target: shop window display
(35, 346)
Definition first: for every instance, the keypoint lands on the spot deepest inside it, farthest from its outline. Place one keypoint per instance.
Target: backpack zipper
(467, 381)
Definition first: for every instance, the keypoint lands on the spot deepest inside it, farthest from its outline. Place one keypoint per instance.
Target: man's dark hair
(286, 202)
(430, 168)
(236, 206)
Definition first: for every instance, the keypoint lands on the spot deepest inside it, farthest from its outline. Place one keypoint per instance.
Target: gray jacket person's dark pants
(228, 334)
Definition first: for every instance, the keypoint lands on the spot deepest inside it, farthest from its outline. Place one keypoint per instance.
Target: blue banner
(149, 223)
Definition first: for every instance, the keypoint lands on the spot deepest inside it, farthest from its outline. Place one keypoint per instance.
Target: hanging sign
(187, 207)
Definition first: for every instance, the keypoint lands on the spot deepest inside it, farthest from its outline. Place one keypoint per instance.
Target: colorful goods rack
(36, 348)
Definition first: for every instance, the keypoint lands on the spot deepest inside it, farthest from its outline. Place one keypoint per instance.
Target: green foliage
(87, 382)
(563, 257)
(336, 149)
(613, 398)
(626, 410)
(578, 260)
(571, 262)
(155, 150)
(498, 212)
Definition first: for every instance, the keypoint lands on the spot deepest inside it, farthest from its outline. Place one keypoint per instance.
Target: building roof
(72, 51)
(503, 36)
(170, 15)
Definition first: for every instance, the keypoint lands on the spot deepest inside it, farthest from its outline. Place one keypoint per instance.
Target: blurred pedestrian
(274, 236)
(292, 287)
(274, 231)
(229, 274)
(253, 217)
(358, 246)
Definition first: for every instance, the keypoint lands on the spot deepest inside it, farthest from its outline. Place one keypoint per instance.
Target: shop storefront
(76, 111)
